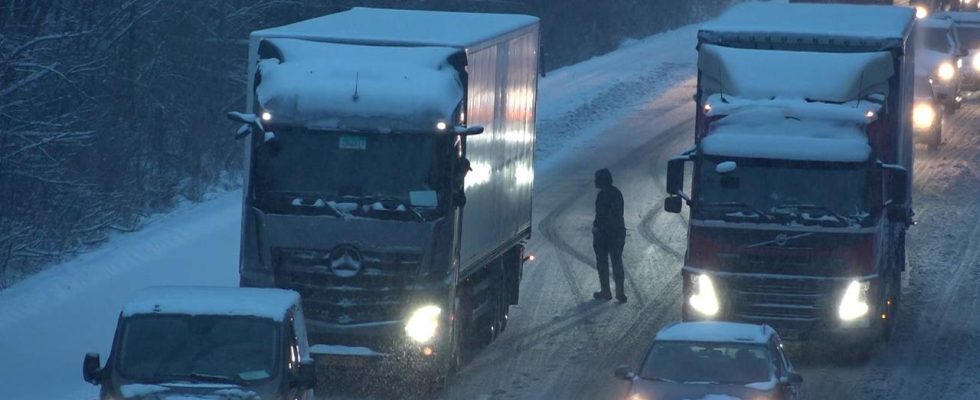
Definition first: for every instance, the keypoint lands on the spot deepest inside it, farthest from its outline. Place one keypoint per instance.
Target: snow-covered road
(628, 111)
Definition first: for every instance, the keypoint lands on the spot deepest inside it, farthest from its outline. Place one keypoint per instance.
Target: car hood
(926, 61)
(190, 392)
(697, 391)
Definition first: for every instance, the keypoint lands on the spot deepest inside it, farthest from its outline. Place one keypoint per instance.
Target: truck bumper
(804, 309)
(377, 349)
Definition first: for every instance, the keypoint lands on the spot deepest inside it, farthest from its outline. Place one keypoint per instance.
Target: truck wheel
(892, 302)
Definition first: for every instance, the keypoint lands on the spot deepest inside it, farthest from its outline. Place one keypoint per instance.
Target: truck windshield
(935, 39)
(708, 363)
(969, 36)
(804, 192)
(387, 176)
(219, 349)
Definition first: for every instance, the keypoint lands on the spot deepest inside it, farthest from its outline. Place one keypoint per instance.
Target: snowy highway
(560, 343)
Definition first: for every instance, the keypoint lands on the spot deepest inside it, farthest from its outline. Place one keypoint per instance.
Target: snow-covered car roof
(402, 27)
(935, 23)
(872, 27)
(714, 331)
(200, 300)
(959, 16)
(376, 88)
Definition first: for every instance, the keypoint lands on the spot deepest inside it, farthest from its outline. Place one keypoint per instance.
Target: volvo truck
(801, 171)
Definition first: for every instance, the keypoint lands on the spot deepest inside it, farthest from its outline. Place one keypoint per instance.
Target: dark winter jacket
(609, 211)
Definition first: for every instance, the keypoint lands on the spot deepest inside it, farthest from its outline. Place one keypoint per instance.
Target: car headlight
(976, 62)
(923, 116)
(704, 299)
(854, 304)
(921, 12)
(423, 324)
(946, 71)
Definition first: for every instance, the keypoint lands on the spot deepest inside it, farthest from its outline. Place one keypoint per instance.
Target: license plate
(353, 142)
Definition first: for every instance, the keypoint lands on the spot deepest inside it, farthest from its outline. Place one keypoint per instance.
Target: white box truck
(390, 171)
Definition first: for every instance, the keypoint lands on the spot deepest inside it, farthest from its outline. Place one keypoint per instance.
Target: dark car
(207, 343)
(695, 360)
(927, 115)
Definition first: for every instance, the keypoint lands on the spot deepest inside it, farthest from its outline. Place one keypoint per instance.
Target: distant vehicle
(391, 171)
(702, 360)
(209, 343)
(927, 114)
(967, 26)
(939, 57)
(874, 2)
(800, 195)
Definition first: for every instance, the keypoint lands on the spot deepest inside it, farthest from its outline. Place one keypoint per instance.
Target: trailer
(800, 193)
(390, 159)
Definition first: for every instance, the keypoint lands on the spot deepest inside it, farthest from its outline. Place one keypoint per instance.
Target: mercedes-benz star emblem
(781, 239)
(345, 261)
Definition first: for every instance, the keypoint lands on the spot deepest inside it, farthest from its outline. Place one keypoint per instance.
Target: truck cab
(207, 342)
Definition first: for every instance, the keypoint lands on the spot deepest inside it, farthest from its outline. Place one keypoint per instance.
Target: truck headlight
(923, 116)
(854, 304)
(423, 324)
(976, 62)
(703, 298)
(946, 71)
(921, 12)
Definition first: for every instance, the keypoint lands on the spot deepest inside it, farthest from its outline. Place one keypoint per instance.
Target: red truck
(800, 190)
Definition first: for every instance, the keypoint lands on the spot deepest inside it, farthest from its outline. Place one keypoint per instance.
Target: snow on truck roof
(969, 17)
(340, 86)
(197, 300)
(712, 331)
(790, 130)
(935, 23)
(866, 26)
(402, 27)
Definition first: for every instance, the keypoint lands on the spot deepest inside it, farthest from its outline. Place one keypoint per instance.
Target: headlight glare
(946, 71)
(923, 116)
(423, 324)
(704, 299)
(976, 62)
(854, 304)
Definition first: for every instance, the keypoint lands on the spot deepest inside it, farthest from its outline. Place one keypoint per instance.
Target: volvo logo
(781, 240)
(345, 261)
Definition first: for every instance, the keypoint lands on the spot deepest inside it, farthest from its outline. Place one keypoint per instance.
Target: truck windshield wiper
(199, 377)
(407, 205)
(813, 207)
(738, 204)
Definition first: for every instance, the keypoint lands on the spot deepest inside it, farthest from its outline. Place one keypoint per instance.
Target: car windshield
(167, 347)
(969, 36)
(935, 39)
(802, 192)
(307, 171)
(695, 362)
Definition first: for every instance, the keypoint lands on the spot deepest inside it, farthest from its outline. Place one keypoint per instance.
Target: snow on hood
(373, 88)
(768, 132)
(831, 77)
(186, 392)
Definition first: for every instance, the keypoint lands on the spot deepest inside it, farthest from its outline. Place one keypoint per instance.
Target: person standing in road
(609, 236)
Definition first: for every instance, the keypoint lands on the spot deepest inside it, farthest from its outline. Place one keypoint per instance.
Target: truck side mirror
(306, 375)
(459, 198)
(250, 124)
(675, 175)
(92, 369)
(673, 204)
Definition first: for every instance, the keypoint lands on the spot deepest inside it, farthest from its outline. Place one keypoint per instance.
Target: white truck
(390, 172)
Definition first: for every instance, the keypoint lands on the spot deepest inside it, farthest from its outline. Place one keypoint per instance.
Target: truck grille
(787, 300)
(372, 295)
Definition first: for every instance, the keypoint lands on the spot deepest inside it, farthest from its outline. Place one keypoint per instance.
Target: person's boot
(602, 295)
(620, 295)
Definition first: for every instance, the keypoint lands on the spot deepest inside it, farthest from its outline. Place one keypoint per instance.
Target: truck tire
(892, 301)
